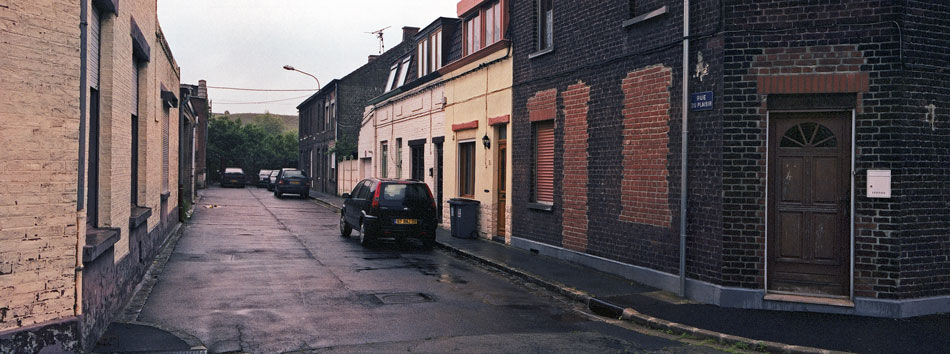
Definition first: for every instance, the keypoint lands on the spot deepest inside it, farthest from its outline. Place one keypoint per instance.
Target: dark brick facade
(592, 46)
(888, 59)
(350, 94)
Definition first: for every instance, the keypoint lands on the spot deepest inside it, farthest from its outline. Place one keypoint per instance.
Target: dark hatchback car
(292, 182)
(390, 209)
(233, 176)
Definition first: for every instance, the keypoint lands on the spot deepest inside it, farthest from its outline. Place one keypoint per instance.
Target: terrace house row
(751, 154)
(329, 123)
(443, 119)
(89, 172)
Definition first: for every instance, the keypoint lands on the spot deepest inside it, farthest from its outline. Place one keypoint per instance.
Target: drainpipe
(80, 181)
(683, 153)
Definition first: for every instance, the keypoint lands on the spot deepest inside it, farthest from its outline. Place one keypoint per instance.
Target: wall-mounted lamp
(486, 141)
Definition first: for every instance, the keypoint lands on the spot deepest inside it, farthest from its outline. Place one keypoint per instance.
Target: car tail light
(375, 203)
(280, 182)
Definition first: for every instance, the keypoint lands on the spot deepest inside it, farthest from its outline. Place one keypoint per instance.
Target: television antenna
(379, 34)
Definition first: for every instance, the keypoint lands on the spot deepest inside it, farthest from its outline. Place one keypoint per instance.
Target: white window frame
(392, 77)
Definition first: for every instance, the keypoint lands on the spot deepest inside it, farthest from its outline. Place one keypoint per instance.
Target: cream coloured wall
(416, 114)
(478, 95)
(39, 115)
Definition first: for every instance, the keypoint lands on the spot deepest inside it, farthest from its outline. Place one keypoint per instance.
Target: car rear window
(403, 194)
(233, 170)
(293, 174)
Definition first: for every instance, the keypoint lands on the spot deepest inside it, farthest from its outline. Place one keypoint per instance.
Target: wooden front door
(808, 203)
(502, 187)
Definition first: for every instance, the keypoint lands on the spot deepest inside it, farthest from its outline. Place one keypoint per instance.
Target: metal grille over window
(545, 24)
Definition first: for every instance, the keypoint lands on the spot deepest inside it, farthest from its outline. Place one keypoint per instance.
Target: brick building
(402, 130)
(89, 176)
(330, 119)
(202, 107)
(815, 157)
(478, 95)
(197, 97)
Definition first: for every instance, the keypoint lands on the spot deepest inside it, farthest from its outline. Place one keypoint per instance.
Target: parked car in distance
(233, 176)
(292, 182)
(390, 209)
(272, 179)
(263, 177)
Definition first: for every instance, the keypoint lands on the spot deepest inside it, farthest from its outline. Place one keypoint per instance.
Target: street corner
(143, 337)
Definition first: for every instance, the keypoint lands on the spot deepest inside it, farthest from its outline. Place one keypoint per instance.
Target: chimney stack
(408, 33)
(372, 57)
(202, 89)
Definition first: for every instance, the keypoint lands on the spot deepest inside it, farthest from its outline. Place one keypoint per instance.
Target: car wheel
(345, 229)
(365, 240)
(279, 194)
(306, 195)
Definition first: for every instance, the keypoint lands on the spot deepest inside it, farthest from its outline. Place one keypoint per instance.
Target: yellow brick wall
(169, 75)
(116, 111)
(478, 95)
(39, 141)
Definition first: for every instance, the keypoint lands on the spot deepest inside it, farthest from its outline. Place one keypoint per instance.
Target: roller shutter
(544, 162)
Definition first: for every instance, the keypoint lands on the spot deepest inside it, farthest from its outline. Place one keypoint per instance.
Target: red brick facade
(543, 106)
(574, 186)
(463, 126)
(646, 115)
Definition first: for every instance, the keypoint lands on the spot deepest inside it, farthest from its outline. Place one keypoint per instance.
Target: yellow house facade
(478, 96)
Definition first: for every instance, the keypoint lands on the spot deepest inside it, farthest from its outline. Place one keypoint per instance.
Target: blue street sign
(701, 101)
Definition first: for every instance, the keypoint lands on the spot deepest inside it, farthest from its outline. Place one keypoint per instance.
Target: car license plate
(294, 182)
(234, 180)
(405, 221)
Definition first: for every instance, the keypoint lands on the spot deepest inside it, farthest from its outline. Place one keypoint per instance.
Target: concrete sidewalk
(773, 331)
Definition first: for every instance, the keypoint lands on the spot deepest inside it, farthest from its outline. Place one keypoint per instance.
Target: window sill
(541, 52)
(644, 17)
(98, 241)
(541, 206)
(139, 216)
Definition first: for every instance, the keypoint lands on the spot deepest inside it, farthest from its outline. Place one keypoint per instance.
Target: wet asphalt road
(259, 274)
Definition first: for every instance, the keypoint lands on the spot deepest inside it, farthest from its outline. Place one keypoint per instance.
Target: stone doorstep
(608, 309)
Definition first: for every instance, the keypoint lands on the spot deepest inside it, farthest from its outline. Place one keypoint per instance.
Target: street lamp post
(291, 68)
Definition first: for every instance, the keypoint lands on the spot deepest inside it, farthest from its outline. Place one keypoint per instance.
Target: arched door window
(807, 135)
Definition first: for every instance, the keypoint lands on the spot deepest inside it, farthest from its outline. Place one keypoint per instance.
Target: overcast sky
(245, 43)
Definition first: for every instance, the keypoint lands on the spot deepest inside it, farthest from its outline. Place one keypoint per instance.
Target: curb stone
(607, 309)
(325, 203)
(574, 294)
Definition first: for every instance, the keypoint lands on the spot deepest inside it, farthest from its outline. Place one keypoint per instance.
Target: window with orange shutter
(544, 162)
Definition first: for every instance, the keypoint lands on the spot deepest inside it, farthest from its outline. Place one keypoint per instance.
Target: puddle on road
(451, 279)
(373, 258)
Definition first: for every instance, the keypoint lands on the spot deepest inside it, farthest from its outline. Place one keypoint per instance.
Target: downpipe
(683, 147)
